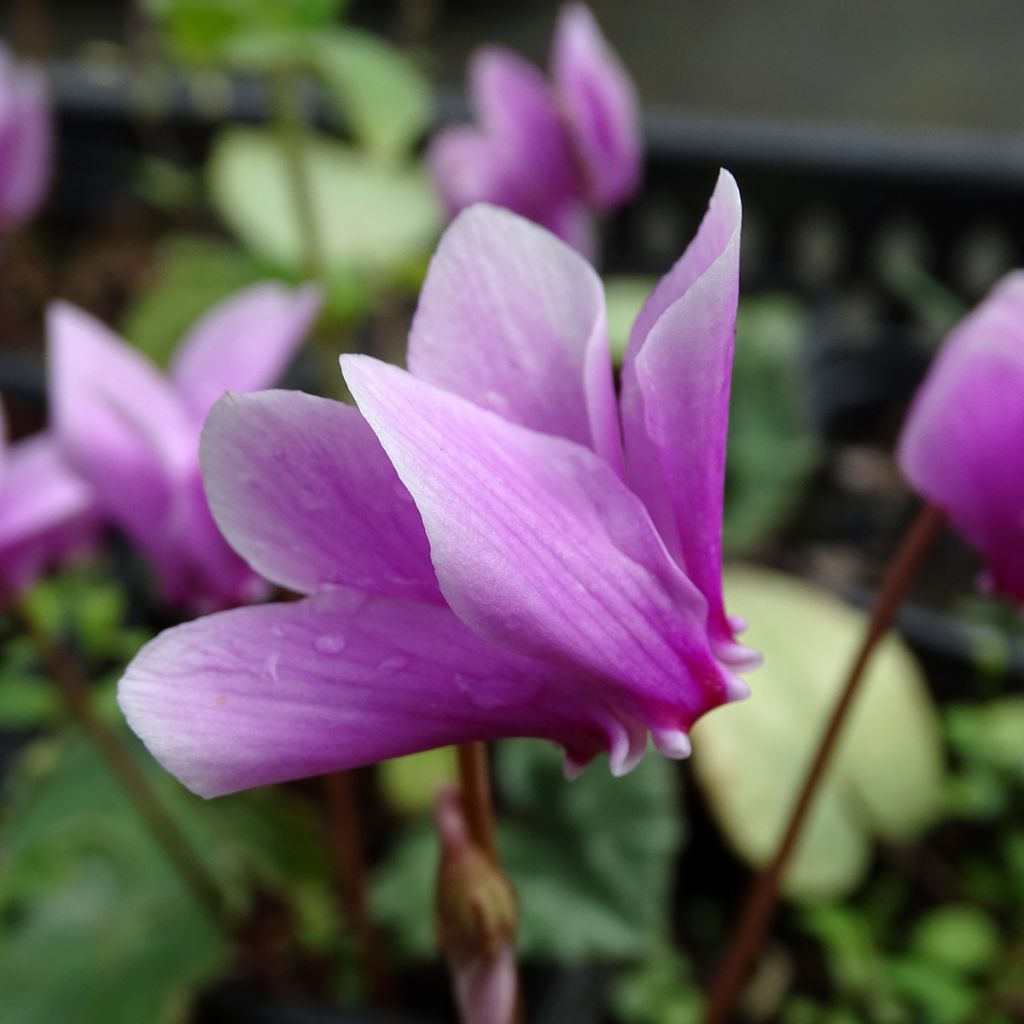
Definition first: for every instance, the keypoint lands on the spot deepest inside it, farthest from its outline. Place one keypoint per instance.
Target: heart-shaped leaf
(887, 775)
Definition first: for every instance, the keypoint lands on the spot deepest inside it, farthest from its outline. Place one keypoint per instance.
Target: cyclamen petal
(118, 422)
(26, 140)
(601, 107)
(675, 402)
(242, 344)
(962, 445)
(282, 691)
(553, 152)
(303, 491)
(514, 320)
(133, 435)
(540, 547)
(552, 607)
(47, 513)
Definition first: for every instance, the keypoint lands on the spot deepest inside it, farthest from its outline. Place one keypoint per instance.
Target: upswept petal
(519, 117)
(117, 421)
(717, 231)
(540, 547)
(46, 512)
(600, 105)
(242, 344)
(963, 442)
(302, 489)
(675, 404)
(513, 319)
(276, 692)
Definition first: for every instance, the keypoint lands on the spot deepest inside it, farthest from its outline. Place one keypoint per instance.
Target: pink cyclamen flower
(962, 446)
(47, 513)
(26, 140)
(551, 151)
(481, 558)
(133, 433)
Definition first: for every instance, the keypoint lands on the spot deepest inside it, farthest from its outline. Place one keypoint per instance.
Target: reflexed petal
(46, 512)
(275, 692)
(117, 421)
(302, 489)
(675, 403)
(513, 319)
(539, 546)
(963, 442)
(242, 344)
(600, 104)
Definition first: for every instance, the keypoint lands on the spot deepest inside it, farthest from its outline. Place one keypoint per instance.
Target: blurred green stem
(749, 934)
(291, 127)
(71, 684)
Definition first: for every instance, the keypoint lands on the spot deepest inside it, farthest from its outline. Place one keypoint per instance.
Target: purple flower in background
(46, 512)
(26, 140)
(481, 557)
(133, 434)
(963, 443)
(552, 151)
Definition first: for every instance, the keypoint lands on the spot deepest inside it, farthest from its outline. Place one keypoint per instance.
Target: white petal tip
(673, 743)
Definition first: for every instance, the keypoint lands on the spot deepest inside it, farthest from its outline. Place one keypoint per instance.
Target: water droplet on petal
(393, 664)
(270, 666)
(333, 643)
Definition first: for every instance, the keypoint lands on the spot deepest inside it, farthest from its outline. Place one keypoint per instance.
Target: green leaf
(624, 295)
(382, 94)
(771, 453)
(660, 990)
(373, 220)
(90, 900)
(847, 941)
(887, 776)
(960, 938)
(26, 703)
(991, 734)
(941, 997)
(591, 860)
(204, 31)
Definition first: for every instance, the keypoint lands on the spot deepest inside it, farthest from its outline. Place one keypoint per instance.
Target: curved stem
(748, 935)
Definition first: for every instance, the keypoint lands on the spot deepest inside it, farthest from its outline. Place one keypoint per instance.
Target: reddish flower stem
(475, 781)
(749, 933)
(73, 688)
(345, 828)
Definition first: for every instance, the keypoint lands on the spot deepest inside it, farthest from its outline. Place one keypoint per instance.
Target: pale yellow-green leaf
(372, 219)
(411, 783)
(381, 92)
(886, 778)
